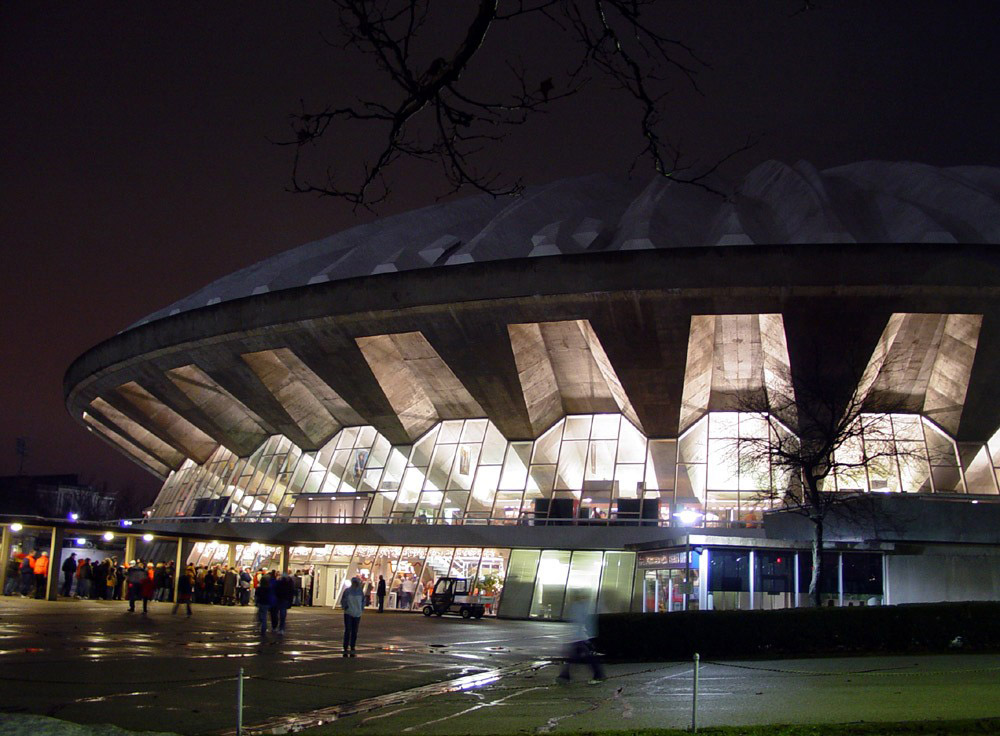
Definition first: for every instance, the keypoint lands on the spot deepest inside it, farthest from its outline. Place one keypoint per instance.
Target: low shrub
(793, 632)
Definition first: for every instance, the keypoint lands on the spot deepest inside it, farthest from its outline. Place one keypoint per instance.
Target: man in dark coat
(229, 582)
(284, 592)
(69, 569)
(380, 594)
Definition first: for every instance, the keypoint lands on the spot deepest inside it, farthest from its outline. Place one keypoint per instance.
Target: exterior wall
(953, 574)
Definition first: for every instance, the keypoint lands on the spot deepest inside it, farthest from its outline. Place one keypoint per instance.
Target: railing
(471, 519)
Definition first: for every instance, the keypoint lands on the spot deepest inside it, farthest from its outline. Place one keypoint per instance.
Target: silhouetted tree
(430, 110)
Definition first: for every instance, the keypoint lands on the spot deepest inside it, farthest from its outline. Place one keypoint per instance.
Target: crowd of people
(109, 579)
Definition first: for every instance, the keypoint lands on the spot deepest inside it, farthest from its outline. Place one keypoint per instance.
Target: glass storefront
(735, 578)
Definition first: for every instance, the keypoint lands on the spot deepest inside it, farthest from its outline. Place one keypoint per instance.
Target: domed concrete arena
(534, 394)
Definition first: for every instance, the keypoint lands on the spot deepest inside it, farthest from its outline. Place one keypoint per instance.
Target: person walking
(246, 583)
(578, 649)
(229, 582)
(13, 568)
(263, 598)
(41, 574)
(284, 594)
(147, 588)
(27, 574)
(353, 602)
(134, 579)
(380, 594)
(185, 587)
(86, 573)
(100, 581)
(69, 569)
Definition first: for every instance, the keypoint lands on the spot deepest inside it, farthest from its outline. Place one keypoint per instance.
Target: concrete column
(231, 555)
(178, 566)
(129, 548)
(283, 559)
(5, 542)
(55, 562)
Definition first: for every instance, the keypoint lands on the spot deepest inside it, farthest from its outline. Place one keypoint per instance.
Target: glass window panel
(483, 489)
(723, 424)
(465, 564)
(405, 589)
(979, 476)
(550, 584)
(369, 481)
(440, 467)
(515, 469)
(628, 478)
(691, 481)
(755, 471)
(605, 427)
(341, 459)
(381, 507)
(413, 481)
(584, 580)
(883, 475)
(601, 460)
(862, 576)
(366, 437)
(314, 481)
(947, 480)
(572, 460)
(907, 427)
(631, 444)
(379, 453)
(494, 447)
(661, 464)
(723, 465)
(692, 444)
(464, 469)
(541, 479)
(450, 432)
(347, 438)
(547, 446)
(394, 469)
(301, 472)
(877, 426)
(326, 452)
(577, 427)
(420, 456)
(427, 509)
(915, 474)
(453, 511)
(616, 582)
(753, 426)
(437, 566)
(940, 447)
(515, 602)
(474, 430)
(507, 508)
(355, 469)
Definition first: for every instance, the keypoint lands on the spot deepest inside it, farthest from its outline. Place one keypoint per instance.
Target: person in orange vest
(27, 573)
(41, 574)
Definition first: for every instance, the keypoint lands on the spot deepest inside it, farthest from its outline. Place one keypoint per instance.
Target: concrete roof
(867, 202)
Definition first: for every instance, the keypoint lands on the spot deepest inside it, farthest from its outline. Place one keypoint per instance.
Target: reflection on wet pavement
(157, 671)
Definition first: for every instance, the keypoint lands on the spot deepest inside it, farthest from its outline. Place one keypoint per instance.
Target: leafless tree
(430, 111)
(819, 445)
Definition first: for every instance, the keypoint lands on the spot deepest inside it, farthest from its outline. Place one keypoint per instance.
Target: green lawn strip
(906, 728)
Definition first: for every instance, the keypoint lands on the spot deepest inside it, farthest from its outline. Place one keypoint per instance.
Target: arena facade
(538, 393)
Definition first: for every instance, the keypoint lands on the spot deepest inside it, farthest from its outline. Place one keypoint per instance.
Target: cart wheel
(479, 614)
(428, 611)
(439, 614)
(466, 613)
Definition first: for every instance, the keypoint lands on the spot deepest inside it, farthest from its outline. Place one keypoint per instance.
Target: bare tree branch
(430, 112)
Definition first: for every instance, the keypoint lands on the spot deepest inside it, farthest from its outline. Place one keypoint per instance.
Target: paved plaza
(91, 662)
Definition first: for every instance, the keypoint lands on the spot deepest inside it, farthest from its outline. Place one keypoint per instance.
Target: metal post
(239, 703)
(694, 700)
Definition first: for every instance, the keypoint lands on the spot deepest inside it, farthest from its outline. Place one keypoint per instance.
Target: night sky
(136, 166)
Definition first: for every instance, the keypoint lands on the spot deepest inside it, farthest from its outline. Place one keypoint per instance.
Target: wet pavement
(92, 662)
(634, 696)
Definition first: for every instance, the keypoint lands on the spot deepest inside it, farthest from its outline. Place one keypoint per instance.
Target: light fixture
(108, 536)
(80, 541)
(126, 522)
(147, 537)
(687, 517)
(16, 527)
(73, 516)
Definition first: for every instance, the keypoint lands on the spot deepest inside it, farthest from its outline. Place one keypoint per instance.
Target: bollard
(694, 700)
(239, 703)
